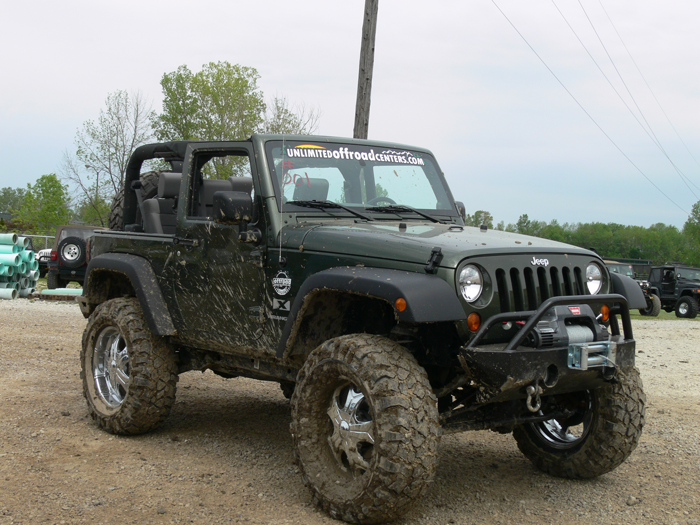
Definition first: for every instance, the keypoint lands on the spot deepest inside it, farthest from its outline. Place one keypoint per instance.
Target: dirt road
(225, 455)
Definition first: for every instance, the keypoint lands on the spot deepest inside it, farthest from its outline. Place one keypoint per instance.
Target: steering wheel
(377, 200)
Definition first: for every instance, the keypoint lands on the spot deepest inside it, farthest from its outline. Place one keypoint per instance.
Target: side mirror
(462, 210)
(232, 207)
(236, 207)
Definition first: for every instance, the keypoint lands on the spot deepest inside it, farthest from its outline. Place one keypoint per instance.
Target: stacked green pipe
(19, 270)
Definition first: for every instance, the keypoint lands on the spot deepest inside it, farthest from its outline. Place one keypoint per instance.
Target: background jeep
(68, 258)
(678, 287)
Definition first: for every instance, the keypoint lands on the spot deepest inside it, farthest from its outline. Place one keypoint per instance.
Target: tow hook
(533, 390)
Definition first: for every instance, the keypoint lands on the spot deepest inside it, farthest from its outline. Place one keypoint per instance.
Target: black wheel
(53, 281)
(377, 200)
(600, 436)
(129, 375)
(653, 306)
(365, 428)
(149, 188)
(71, 252)
(687, 307)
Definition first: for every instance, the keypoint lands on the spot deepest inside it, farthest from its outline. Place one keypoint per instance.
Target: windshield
(689, 273)
(356, 176)
(624, 269)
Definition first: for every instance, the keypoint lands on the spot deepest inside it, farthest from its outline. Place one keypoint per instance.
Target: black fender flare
(143, 279)
(429, 299)
(629, 289)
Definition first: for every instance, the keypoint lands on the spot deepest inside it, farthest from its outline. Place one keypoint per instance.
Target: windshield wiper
(402, 207)
(329, 204)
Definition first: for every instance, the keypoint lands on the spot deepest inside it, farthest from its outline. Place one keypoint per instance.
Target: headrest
(244, 184)
(169, 185)
(311, 190)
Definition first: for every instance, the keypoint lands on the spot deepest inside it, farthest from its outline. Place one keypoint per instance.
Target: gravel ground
(225, 454)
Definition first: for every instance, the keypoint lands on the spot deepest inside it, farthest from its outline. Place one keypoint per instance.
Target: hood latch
(434, 260)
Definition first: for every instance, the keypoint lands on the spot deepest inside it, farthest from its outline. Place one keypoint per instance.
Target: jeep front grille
(526, 288)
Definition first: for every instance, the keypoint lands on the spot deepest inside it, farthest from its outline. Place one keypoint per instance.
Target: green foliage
(658, 243)
(480, 217)
(94, 211)
(220, 102)
(11, 199)
(45, 204)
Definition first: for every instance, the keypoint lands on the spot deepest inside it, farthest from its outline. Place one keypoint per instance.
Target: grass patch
(41, 284)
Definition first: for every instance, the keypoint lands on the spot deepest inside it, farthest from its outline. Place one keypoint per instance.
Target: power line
(655, 139)
(650, 133)
(647, 84)
(584, 109)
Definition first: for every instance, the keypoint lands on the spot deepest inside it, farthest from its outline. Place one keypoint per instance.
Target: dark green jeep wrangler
(342, 269)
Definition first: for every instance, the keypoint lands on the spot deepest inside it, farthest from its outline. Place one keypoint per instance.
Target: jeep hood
(385, 240)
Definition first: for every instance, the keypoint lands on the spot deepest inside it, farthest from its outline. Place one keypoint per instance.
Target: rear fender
(144, 285)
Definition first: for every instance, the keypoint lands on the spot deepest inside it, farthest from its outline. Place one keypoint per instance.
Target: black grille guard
(535, 316)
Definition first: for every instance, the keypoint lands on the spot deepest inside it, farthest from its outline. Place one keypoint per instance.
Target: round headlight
(471, 283)
(594, 278)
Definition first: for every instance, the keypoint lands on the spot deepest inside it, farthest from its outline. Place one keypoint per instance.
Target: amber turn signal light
(473, 321)
(400, 304)
(605, 312)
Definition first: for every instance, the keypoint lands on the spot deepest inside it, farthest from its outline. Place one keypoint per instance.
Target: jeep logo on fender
(282, 283)
(539, 262)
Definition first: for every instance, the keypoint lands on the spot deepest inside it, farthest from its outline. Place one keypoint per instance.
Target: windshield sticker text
(344, 153)
(297, 180)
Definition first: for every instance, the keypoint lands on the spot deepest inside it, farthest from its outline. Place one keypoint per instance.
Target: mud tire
(687, 307)
(653, 307)
(616, 422)
(149, 187)
(150, 394)
(53, 281)
(402, 408)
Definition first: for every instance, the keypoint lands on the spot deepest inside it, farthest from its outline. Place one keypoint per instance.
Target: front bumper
(511, 371)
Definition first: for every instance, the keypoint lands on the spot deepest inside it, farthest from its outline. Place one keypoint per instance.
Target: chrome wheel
(683, 308)
(70, 252)
(110, 367)
(352, 440)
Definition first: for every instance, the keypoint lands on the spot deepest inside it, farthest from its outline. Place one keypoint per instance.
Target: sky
(455, 77)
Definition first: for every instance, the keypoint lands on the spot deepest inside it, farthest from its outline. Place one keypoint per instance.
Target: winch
(566, 325)
(574, 326)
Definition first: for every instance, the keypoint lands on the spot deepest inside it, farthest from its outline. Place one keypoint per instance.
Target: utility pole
(364, 81)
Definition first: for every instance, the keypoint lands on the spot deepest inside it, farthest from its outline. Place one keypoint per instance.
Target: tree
(220, 102)
(11, 199)
(94, 212)
(281, 119)
(103, 149)
(45, 205)
(480, 217)
(223, 102)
